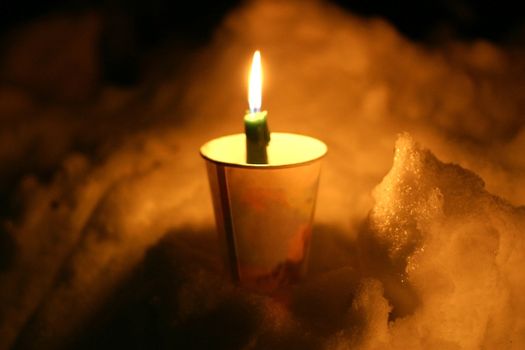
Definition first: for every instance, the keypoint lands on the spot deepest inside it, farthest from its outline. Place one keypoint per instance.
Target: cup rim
(323, 149)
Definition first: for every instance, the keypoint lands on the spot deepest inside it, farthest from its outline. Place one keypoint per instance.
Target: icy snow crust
(449, 253)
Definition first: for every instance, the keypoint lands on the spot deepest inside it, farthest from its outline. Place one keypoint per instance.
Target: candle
(263, 196)
(255, 124)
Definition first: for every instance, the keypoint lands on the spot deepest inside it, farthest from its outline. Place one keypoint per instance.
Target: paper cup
(264, 212)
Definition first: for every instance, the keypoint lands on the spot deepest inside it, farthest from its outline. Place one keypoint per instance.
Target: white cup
(264, 212)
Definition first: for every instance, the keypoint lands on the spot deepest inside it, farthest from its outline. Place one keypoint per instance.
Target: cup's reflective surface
(264, 213)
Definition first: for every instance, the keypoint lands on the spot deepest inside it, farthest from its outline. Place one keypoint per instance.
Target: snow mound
(449, 254)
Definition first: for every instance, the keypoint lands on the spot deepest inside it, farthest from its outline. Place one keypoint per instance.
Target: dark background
(133, 27)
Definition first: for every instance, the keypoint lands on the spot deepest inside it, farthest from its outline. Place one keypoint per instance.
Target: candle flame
(255, 86)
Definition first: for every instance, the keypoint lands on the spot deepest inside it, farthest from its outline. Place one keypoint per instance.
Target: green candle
(257, 137)
(255, 124)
